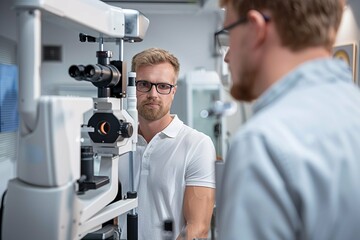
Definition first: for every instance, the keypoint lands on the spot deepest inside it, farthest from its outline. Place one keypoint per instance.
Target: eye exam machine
(57, 194)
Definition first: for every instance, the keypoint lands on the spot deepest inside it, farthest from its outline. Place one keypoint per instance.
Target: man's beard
(241, 94)
(151, 114)
(243, 89)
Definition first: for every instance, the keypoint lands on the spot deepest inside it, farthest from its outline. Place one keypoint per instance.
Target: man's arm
(198, 209)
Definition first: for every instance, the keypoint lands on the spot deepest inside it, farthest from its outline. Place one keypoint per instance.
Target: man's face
(239, 58)
(153, 105)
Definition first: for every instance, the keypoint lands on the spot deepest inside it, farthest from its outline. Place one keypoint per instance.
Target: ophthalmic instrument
(56, 193)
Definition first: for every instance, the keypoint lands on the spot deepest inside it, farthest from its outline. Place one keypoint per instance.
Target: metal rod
(121, 50)
(101, 43)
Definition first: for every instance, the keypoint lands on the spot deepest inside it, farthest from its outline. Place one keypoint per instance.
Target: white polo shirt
(176, 157)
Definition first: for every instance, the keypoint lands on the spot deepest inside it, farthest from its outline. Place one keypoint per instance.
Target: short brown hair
(300, 23)
(153, 56)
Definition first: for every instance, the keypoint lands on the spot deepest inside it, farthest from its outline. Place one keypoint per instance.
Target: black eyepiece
(77, 72)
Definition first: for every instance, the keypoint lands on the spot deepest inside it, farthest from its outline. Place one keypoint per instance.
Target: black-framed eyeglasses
(145, 86)
(222, 36)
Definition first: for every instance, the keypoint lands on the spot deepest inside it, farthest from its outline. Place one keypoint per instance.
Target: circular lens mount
(108, 128)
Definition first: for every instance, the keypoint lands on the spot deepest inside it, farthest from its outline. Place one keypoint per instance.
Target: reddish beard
(151, 114)
(244, 88)
(240, 93)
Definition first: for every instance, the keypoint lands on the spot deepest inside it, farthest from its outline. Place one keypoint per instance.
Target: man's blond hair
(153, 56)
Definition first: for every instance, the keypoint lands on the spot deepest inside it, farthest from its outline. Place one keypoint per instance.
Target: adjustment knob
(126, 129)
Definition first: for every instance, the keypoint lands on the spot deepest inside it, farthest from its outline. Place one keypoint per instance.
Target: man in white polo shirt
(174, 164)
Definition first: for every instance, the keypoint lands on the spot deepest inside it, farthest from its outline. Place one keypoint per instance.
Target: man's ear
(258, 26)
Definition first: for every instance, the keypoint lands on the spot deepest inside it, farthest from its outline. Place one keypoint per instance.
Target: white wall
(189, 37)
(7, 20)
(349, 31)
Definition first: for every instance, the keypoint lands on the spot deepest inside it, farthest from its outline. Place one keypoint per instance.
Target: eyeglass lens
(222, 40)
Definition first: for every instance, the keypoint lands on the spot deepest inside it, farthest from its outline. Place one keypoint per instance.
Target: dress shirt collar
(311, 72)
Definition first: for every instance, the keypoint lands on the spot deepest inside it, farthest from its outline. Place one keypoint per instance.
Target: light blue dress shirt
(293, 171)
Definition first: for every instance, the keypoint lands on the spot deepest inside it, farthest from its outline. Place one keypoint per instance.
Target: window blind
(8, 105)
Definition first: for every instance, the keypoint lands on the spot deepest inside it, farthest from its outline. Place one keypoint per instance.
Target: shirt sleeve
(254, 199)
(200, 170)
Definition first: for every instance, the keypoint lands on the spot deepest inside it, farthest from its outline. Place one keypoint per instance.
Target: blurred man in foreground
(293, 171)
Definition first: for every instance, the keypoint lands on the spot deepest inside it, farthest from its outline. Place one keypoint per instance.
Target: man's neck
(148, 129)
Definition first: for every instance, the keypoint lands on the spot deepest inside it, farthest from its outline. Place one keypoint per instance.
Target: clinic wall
(189, 37)
(349, 31)
(7, 20)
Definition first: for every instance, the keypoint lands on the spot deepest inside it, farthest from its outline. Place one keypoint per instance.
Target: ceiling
(168, 6)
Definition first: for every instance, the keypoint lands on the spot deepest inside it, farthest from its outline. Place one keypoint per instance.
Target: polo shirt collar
(173, 128)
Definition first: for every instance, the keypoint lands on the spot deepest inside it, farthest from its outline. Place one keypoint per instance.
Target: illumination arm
(92, 16)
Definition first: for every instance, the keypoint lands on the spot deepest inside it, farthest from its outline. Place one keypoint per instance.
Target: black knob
(126, 129)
